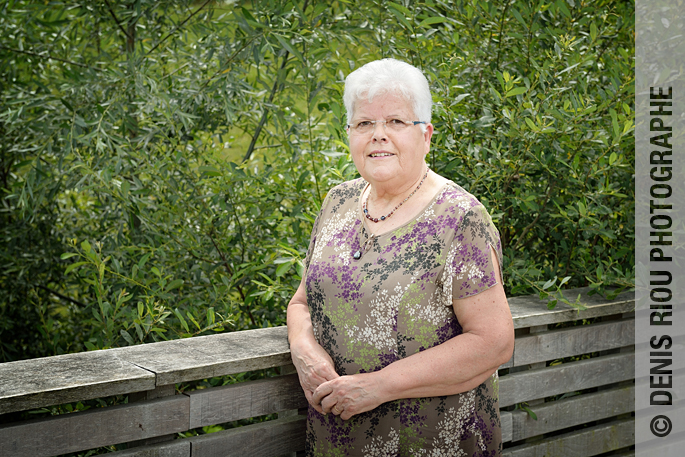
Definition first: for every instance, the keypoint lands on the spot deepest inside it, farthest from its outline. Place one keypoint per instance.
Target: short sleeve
(315, 231)
(468, 267)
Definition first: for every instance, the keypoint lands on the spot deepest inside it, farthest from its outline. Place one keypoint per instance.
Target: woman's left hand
(347, 396)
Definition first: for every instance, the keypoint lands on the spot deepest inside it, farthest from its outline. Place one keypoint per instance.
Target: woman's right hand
(314, 365)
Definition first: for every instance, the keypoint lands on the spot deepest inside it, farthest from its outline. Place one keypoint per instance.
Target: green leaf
(175, 284)
(211, 318)
(549, 283)
(593, 32)
(209, 171)
(125, 187)
(564, 9)
(193, 320)
(283, 268)
(532, 125)
(139, 332)
(530, 413)
(401, 8)
(291, 49)
(67, 255)
(342, 145)
(396, 11)
(460, 97)
(516, 91)
(143, 260)
(184, 324)
(518, 17)
(614, 123)
(432, 20)
(127, 336)
(73, 266)
(582, 209)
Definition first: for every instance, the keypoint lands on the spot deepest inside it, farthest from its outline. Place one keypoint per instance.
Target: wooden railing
(577, 379)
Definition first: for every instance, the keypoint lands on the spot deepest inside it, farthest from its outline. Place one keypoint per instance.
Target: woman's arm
(314, 365)
(457, 365)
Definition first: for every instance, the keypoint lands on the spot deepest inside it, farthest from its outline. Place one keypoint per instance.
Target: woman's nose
(379, 132)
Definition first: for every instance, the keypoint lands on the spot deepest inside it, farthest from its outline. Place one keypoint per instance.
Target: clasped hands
(327, 391)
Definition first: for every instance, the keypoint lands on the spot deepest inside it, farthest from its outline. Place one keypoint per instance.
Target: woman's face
(386, 156)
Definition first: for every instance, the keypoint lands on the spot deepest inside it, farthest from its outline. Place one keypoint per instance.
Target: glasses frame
(383, 122)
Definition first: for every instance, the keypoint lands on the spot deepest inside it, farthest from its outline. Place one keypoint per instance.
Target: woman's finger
(308, 395)
(322, 391)
(329, 402)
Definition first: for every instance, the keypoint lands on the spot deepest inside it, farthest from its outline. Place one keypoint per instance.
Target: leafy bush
(162, 162)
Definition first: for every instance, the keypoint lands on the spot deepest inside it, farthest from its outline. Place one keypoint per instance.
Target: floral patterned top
(392, 302)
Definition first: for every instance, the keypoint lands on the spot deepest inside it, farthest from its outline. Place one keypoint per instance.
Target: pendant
(357, 255)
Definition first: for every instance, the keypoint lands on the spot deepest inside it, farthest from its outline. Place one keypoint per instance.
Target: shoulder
(456, 198)
(344, 193)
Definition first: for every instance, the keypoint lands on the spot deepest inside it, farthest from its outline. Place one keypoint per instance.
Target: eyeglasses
(395, 125)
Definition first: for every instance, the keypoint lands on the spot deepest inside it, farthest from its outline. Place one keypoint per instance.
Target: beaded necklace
(382, 218)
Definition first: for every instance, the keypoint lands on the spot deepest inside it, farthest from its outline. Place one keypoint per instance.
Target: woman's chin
(379, 174)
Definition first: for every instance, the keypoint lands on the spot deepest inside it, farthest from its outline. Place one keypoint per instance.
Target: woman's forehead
(385, 104)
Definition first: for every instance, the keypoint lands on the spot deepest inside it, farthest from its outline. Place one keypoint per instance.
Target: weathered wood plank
(530, 311)
(583, 339)
(95, 428)
(587, 442)
(244, 400)
(572, 411)
(266, 439)
(215, 355)
(159, 392)
(29, 384)
(177, 448)
(567, 377)
(506, 424)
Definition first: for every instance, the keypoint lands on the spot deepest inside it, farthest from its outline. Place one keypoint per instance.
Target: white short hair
(389, 76)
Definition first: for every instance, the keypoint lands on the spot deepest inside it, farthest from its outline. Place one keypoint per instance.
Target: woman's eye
(362, 124)
(395, 122)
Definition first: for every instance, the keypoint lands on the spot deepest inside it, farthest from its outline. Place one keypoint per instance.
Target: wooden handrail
(35, 383)
(598, 360)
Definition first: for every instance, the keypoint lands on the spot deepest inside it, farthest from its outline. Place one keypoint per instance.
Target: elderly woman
(401, 321)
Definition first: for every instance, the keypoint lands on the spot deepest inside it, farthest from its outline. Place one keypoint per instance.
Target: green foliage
(162, 162)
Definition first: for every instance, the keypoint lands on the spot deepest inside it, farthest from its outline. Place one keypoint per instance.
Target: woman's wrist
(381, 386)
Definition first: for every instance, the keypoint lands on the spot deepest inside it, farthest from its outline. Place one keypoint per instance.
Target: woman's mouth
(380, 154)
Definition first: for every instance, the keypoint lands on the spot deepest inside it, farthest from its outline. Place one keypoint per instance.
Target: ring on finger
(337, 410)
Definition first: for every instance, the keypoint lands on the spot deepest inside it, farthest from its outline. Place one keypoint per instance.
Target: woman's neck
(390, 193)
(407, 211)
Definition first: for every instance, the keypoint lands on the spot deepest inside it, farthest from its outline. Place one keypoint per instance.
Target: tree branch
(63, 297)
(29, 53)
(111, 12)
(262, 121)
(525, 231)
(177, 27)
(228, 269)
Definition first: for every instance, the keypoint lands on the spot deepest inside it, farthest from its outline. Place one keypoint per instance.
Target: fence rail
(578, 375)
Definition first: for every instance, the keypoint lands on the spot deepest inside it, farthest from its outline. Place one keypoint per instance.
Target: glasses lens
(368, 126)
(396, 124)
(364, 126)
